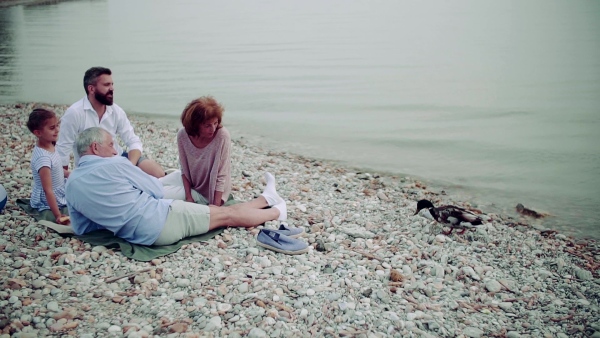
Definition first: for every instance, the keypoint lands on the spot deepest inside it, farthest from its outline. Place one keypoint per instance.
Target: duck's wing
(460, 214)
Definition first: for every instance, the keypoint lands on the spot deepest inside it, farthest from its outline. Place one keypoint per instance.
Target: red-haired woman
(204, 155)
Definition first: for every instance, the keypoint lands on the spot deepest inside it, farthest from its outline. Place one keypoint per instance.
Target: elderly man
(108, 192)
(97, 109)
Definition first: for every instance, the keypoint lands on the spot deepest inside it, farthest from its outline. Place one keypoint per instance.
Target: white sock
(282, 207)
(270, 193)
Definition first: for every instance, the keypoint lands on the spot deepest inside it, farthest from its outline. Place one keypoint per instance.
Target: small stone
(472, 332)
(115, 329)
(396, 276)
(493, 285)
(257, 333)
(582, 274)
(178, 295)
(356, 232)
(183, 282)
(52, 306)
(243, 288)
(178, 327)
(224, 307)
(213, 324)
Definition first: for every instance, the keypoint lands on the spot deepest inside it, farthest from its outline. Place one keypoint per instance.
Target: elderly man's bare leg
(247, 214)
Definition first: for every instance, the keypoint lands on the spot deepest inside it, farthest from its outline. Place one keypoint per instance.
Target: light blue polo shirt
(113, 194)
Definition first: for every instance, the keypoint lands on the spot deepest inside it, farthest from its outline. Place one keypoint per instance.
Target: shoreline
(381, 272)
(10, 3)
(475, 197)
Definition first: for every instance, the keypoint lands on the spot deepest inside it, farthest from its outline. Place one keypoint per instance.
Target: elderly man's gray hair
(87, 137)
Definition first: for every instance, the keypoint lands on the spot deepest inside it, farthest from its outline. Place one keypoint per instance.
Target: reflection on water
(498, 100)
(8, 55)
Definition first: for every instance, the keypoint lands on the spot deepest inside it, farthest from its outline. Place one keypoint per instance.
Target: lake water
(496, 101)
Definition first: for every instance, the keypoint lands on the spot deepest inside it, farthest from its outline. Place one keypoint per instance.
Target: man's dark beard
(104, 98)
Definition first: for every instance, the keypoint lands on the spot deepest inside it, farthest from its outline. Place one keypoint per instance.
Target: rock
(582, 274)
(183, 282)
(179, 295)
(471, 273)
(178, 328)
(493, 286)
(472, 332)
(53, 306)
(356, 232)
(243, 288)
(257, 333)
(213, 324)
(115, 329)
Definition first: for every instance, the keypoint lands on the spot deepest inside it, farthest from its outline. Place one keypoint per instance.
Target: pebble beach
(373, 268)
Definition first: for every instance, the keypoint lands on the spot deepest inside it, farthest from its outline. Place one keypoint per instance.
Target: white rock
(493, 285)
(115, 329)
(183, 282)
(472, 332)
(582, 274)
(356, 232)
(52, 306)
(470, 272)
(213, 324)
(257, 333)
(180, 295)
(224, 307)
(243, 288)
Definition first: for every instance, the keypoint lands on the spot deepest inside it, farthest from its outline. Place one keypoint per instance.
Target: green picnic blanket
(106, 238)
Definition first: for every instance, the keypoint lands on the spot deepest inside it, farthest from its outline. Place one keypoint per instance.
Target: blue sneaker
(275, 241)
(288, 231)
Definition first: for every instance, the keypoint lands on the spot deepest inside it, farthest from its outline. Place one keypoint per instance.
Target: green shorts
(185, 219)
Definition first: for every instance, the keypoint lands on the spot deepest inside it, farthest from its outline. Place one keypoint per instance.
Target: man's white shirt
(81, 115)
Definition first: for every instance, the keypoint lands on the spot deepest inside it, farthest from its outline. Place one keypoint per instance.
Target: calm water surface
(498, 101)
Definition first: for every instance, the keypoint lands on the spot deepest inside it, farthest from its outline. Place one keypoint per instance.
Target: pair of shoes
(273, 240)
(284, 229)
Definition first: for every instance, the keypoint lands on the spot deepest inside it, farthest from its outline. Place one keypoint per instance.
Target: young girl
(48, 192)
(204, 155)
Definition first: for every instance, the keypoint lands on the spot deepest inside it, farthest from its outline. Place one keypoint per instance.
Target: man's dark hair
(91, 76)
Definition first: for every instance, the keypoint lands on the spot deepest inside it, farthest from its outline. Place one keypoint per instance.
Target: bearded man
(97, 109)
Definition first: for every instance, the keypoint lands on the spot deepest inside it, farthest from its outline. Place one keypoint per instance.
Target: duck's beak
(416, 212)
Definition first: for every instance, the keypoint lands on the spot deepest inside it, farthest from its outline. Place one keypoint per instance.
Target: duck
(450, 215)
